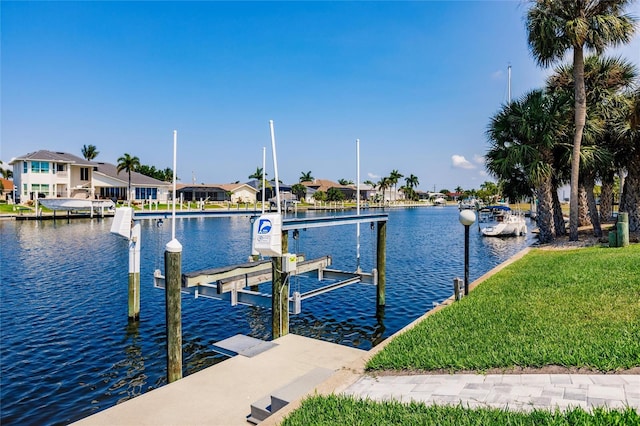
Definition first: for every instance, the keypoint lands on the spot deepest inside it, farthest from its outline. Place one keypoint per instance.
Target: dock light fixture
(467, 218)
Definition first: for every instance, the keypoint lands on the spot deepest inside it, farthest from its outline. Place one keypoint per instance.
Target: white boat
(503, 222)
(76, 204)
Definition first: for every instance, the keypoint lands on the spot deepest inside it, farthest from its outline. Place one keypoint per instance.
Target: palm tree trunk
(580, 118)
(583, 208)
(630, 201)
(545, 212)
(606, 198)
(591, 203)
(558, 216)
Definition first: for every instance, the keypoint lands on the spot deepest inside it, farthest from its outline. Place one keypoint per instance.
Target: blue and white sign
(267, 235)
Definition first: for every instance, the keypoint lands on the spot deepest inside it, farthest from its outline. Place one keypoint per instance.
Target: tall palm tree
(89, 152)
(630, 138)
(394, 177)
(306, 177)
(523, 136)
(383, 184)
(604, 77)
(412, 181)
(128, 164)
(555, 27)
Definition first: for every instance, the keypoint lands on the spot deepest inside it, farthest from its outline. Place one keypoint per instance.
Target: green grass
(573, 308)
(9, 209)
(344, 410)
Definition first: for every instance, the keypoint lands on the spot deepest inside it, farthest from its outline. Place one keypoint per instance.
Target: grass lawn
(572, 308)
(343, 410)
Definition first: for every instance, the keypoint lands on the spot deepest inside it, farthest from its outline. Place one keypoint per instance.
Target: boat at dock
(502, 222)
(72, 204)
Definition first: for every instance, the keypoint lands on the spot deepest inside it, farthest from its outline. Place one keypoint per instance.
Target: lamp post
(467, 217)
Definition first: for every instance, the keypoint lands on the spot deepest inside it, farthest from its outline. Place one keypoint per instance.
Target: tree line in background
(548, 138)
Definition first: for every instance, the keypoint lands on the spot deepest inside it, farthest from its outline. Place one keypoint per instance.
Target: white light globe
(467, 217)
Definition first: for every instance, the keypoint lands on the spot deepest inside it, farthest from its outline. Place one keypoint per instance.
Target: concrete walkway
(223, 393)
(521, 392)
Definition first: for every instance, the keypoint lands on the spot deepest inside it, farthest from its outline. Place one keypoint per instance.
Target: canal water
(68, 351)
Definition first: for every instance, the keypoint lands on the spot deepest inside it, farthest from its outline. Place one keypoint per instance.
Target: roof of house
(221, 186)
(106, 169)
(111, 171)
(325, 184)
(44, 155)
(7, 185)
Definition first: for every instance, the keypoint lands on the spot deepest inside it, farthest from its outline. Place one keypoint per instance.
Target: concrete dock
(223, 393)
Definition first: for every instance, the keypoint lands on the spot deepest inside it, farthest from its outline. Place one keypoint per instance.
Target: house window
(40, 189)
(25, 168)
(146, 193)
(39, 167)
(24, 188)
(60, 167)
(84, 173)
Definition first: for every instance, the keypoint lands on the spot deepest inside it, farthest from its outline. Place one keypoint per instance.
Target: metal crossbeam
(320, 222)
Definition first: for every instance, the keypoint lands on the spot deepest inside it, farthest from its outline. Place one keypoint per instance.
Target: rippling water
(68, 351)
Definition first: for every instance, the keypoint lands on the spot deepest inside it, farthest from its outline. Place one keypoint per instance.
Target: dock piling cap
(173, 246)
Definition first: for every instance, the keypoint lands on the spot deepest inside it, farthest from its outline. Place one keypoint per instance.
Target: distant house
(6, 189)
(48, 174)
(233, 192)
(324, 185)
(270, 190)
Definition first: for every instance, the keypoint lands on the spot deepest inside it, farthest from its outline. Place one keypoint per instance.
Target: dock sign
(267, 234)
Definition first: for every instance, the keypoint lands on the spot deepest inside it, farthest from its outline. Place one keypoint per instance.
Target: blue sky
(416, 82)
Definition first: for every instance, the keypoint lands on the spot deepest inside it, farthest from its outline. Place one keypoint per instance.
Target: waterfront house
(233, 192)
(50, 174)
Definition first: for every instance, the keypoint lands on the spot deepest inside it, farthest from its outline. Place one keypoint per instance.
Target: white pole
(358, 204)
(275, 163)
(264, 174)
(509, 88)
(173, 210)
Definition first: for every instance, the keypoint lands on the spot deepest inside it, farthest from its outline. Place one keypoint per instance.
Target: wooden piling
(173, 275)
(134, 274)
(280, 293)
(381, 262)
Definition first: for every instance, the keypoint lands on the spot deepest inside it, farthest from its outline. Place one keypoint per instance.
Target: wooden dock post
(381, 262)
(134, 274)
(173, 275)
(280, 293)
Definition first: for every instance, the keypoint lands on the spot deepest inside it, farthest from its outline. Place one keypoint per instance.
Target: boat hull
(75, 204)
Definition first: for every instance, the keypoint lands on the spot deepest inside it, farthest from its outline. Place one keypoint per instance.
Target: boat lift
(238, 284)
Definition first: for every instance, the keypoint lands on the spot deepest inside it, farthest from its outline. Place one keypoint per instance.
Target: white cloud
(478, 159)
(373, 175)
(497, 75)
(459, 162)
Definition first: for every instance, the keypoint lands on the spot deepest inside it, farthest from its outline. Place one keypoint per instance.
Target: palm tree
(257, 174)
(604, 78)
(128, 164)
(630, 138)
(89, 152)
(299, 190)
(345, 182)
(523, 137)
(412, 181)
(383, 184)
(394, 177)
(6, 173)
(554, 27)
(306, 177)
